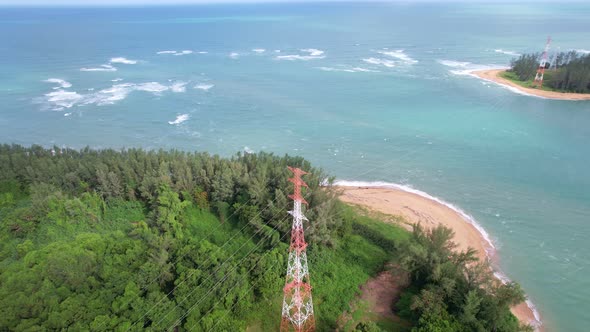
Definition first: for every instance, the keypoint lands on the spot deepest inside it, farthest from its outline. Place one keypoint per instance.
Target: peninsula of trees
(134, 240)
(567, 72)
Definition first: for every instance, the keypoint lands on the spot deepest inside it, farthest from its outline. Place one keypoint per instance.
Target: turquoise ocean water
(370, 92)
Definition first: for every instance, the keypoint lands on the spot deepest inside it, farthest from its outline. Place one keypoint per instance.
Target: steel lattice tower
(297, 312)
(541, 70)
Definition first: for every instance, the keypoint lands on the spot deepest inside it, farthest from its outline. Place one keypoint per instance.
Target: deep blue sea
(370, 92)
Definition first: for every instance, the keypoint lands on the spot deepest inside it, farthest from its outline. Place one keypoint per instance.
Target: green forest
(567, 72)
(136, 240)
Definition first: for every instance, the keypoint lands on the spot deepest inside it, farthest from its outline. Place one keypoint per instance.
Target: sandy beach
(492, 75)
(430, 213)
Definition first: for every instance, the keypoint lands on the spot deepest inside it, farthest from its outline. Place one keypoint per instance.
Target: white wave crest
(61, 99)
(203, 52)
(507, 52)
(178, 86)
(184, 52)
(348, 69)
(179, 119)
(464, 68)
(258, 50)
(454, 64)
(234, 55)
(313, 51)
(583, 51)
(123, 61)
(63, 84)
(383, 62)
(400, 55)
(312, 54)
(204, 87)
(101, 68)
(247, 150)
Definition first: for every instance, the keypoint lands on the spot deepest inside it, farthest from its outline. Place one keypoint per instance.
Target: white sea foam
(204, 87)
(203, 52)
(313, 51)
(234, 55)
(399, 54)
(67, 114)
(507, 52)
(454, 64)
(116, 79)
(312, 54)
(383, 62)
(179, 119)
(184, 52)
(123, 61)
(178, 86)
(61, 99)
(583, 51)
(101, 68)
(258, 50)
(459, 211)
(248, 150)
(63, 84)
(348, 69)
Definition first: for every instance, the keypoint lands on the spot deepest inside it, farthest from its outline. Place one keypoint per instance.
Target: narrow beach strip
(493, 75)
(419, 207)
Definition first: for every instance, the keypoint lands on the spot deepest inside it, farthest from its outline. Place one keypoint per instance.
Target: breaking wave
(400, 55)
(61, 99)
(123, 61)
(348, 69)
(384, 62)
(179, 119)
(507, 52)
(184, 52)
(63, 84)
(204, 87)
(101, 68)
(312, 53)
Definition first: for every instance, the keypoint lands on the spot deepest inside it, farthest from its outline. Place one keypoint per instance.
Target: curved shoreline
(418, 206)
(492, 75)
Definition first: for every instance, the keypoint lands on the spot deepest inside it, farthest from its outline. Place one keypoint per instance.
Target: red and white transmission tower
(541, 70)
(297, 312)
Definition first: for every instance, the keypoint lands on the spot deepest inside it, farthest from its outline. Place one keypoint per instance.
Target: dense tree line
(136, 240)
(568, 71)
(451, 291)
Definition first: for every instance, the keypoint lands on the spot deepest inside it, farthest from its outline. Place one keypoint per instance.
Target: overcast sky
(169, 2)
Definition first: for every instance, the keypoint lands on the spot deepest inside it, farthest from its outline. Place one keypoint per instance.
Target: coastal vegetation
(569, 72)
(136, 240)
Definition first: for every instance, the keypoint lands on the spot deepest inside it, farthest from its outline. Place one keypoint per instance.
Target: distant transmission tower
(542, 65)
(297, 304)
